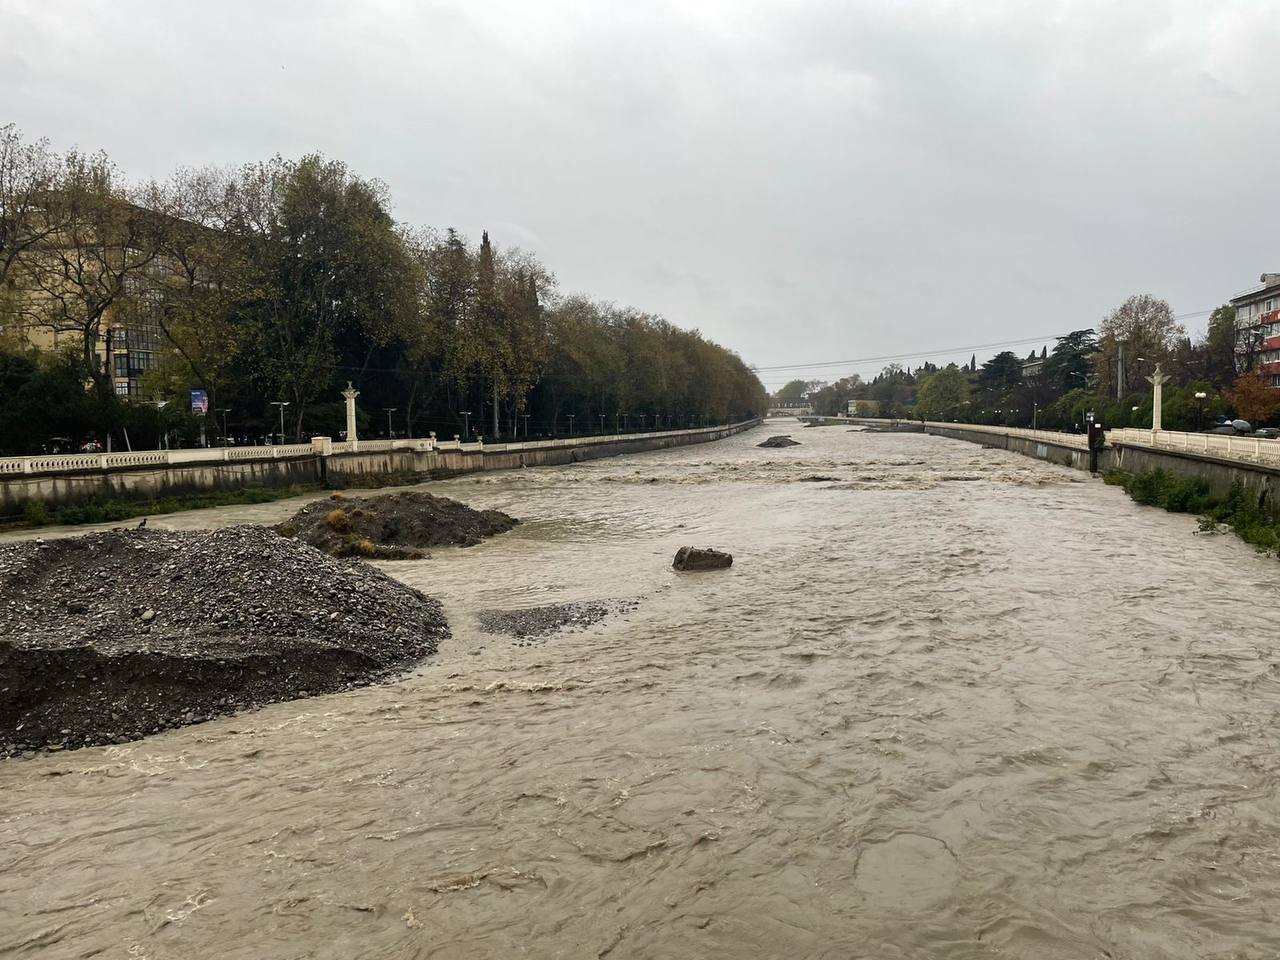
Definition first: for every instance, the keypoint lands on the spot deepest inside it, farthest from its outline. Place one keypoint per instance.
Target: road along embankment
(158, 474)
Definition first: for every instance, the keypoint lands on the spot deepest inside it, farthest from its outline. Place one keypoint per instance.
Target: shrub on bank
(107, 511)
(1239, 509)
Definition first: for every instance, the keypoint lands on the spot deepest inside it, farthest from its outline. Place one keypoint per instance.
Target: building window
(122, 388)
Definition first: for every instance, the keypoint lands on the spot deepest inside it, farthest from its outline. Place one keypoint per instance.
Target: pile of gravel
(111, 636)
(393, 526)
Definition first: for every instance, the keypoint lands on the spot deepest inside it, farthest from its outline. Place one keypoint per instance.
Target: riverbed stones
(782, 441)
(693, 559)
(115, 635)
(529, 625)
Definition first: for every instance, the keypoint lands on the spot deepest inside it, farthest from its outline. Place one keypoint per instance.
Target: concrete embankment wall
(338, 469)
(1219, 473)
(447, 462)
(153, 483)
(1068, 456)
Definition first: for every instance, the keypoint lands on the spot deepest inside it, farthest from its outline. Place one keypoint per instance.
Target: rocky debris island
(699, 558)
(393, 526)
(783, 441)
(529, 625)
(111, 636)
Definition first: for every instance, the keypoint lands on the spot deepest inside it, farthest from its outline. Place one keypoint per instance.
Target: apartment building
(1258, 328)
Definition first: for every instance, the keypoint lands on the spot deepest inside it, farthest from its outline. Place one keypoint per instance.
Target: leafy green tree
(793, 390)
(1220, 346)
(328, 267)
(943, 395)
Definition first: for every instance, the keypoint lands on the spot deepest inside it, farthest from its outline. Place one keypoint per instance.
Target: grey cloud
(921, 174)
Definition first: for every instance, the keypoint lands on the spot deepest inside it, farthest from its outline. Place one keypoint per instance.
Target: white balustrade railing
(1252, 449)
(81, 462)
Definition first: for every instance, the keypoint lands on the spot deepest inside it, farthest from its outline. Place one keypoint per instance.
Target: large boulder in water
(701, 558)
(783, 441)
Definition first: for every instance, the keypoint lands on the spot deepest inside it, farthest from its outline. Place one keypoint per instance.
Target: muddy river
(948, 702)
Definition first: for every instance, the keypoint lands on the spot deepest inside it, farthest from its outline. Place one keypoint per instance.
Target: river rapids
(948, 702)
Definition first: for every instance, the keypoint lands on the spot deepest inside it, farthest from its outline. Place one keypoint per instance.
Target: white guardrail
(82, 462)
(1247, 449)
(1251, 449)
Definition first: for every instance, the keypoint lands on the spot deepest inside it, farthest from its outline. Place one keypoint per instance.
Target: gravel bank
(112, 636)
(393, 526)
(530, 625)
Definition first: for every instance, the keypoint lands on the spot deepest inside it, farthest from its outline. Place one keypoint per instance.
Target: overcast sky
(803, 181)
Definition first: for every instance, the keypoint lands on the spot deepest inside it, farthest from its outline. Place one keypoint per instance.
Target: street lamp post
(224, 411)
(526, 425)
(281, 404)
(571, 416)
(389, 411)
(1200, 395)
(602, 423)
(466, 424)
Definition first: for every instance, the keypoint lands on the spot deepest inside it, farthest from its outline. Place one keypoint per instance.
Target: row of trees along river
(281, 281)
(1080, 373)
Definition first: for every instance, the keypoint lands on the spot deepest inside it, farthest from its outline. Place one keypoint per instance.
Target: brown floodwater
(950, 703)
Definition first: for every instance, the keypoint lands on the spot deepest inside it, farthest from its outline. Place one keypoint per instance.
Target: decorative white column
(350, 395)
(1157, 382)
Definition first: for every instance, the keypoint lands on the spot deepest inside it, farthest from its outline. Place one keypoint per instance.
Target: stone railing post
(350, 395)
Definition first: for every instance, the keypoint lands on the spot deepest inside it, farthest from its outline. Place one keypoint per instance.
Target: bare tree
(77, 275)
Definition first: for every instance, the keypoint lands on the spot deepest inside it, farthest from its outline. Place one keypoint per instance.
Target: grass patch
(107, 511)
(1239, 509)
(337, 520)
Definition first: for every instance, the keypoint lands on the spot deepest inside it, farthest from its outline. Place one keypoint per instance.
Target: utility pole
(1120, 371)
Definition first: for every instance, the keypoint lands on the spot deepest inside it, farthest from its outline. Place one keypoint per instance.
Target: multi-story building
(1258, 328)
(127, 342)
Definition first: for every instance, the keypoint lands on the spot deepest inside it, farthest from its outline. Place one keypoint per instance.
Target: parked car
(1224, 428)
(1267, 433)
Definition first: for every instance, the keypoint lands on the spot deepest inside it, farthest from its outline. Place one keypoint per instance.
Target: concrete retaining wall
(1068, 456)
(1220, 474)
(153, 483)
(339, 469)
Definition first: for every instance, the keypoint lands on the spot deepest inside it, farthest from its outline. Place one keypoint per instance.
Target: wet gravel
(111, 636)
(532, 625)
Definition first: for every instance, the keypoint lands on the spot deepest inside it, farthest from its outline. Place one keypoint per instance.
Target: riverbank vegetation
(1103, 371)
(277, 283)
(1239, 509)
(38, 514)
